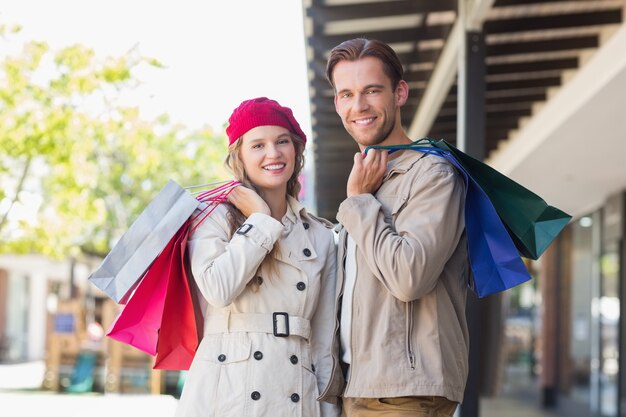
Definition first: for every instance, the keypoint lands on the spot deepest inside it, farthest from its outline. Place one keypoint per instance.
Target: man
(402, 252)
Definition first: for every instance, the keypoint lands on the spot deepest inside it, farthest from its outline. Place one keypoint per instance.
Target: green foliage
(84, 171)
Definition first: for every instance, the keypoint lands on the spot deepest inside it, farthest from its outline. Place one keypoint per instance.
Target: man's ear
(402, 93)
(335, 101)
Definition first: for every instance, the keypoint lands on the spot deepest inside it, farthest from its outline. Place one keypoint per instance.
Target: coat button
(313, 367)
(300, 286)
(259, 280)
(295, 397)
(221, 358)
(258, 355)
(255, 395)
(306, 252)
(306, 226)
(293, 359)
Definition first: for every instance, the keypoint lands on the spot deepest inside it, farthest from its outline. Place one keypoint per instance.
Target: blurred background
(101, 103)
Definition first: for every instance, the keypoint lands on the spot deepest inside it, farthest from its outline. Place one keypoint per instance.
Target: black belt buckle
(275, 321)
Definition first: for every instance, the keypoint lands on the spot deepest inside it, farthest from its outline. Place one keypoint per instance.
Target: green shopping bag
(531, 222)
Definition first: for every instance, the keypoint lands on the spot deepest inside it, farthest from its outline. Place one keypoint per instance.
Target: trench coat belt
(257, 323)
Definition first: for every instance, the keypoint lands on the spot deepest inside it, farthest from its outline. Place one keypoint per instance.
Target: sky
(216, 53)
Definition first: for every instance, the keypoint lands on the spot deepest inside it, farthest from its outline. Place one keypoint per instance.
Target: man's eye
(345, 95)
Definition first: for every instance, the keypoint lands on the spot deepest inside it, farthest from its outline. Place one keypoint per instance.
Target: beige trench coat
(265, 350)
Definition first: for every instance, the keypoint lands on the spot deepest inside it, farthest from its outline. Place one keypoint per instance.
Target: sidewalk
(20, 383)
(510, 407)
(20, 391)
(38, 404)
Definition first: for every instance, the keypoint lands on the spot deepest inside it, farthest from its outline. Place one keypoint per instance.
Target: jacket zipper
(409, 332)
(343, 286)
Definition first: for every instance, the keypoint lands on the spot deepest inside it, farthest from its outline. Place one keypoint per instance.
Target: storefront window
(607, 308)
(520, 332)
(582, 284)
(609, 313)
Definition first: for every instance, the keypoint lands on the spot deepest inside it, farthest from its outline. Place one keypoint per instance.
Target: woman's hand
(248, 201)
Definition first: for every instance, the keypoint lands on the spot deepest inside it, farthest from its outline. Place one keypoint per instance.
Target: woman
(266, 271)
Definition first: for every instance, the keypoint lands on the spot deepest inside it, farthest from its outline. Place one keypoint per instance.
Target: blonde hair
(236, 218)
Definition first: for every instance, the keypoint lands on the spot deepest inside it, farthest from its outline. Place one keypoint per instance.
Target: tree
(76, 166)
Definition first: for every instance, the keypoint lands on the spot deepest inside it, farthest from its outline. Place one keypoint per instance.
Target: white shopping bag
(122, 269)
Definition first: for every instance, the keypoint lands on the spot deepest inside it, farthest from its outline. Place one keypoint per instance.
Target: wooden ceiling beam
(325, 14)
(557, 21)
(543, 65)
(524, 83)
(323, 43)
(504, 3)
(444, 74)
(550, 45)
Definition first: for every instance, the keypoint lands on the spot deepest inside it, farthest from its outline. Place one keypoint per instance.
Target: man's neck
(395, 138)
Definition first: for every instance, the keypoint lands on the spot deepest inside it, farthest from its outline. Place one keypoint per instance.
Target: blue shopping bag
(495, 262)
(494, 259)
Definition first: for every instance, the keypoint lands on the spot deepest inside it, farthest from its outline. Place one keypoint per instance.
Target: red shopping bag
(181, 323)
(139, 322)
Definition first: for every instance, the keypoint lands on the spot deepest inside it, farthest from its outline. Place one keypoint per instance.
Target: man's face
(364, 99)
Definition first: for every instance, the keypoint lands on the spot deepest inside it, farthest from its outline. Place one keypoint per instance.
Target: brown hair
(234, 164)
(358, 48)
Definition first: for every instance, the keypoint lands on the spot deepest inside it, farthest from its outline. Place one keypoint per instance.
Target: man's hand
(248, 201)
(367, 172)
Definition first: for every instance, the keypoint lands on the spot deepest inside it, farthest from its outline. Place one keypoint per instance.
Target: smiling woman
(266, 271)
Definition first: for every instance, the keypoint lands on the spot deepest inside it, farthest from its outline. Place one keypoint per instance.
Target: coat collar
(293, 246)
(403, 162)
(296, 212)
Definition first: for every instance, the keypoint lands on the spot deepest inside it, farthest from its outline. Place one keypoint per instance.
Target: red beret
(260, 112)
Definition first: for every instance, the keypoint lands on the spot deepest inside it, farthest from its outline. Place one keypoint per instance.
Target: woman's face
(268, 155)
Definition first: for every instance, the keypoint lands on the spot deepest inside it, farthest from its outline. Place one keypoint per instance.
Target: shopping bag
(495, 263)
(532, 222)
(181, 323)
(182, 320)
(139, 322)
(162, 316)
(123, 267)
(494, 258)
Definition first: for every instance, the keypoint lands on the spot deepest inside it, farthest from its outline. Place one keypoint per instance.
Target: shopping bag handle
(208, 184)
(213, 197)
(423, 144)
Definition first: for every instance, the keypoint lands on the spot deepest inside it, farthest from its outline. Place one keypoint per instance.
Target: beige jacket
(248, 362)
(409, 332)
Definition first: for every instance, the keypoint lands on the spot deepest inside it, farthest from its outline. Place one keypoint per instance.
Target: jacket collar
(292, 252)
(296, 213)
(403, 162)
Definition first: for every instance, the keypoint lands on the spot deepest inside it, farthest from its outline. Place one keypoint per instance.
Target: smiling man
(403, 267)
